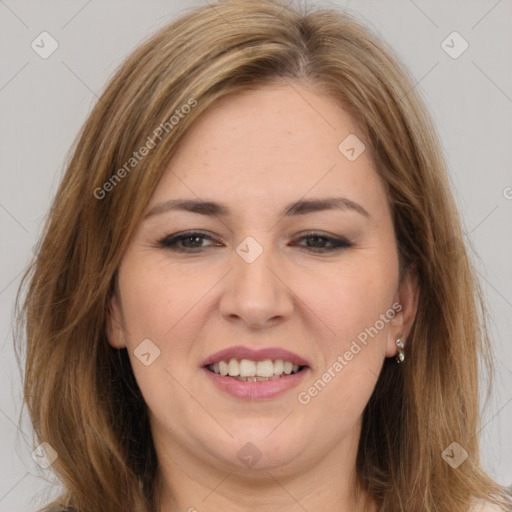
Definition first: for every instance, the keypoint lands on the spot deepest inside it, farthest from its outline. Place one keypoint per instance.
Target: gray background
(44, 102)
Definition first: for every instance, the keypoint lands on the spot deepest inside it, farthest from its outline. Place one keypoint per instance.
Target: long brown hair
(81, 393)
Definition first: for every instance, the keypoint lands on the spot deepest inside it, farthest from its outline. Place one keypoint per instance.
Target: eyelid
(314, 232)
(177, 237)
(338, 243)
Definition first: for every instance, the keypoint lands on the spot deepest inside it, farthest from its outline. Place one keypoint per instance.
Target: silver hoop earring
(400, 357)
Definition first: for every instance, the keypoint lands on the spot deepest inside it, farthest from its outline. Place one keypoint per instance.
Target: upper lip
(240, 352)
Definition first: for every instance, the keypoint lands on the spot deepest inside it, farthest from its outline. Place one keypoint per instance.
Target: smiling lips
(254, 371)
(248, 373)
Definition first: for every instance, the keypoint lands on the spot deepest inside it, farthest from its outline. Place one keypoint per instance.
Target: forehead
(275, 143)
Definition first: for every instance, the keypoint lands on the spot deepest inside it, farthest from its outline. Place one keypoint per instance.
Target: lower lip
(256, 390)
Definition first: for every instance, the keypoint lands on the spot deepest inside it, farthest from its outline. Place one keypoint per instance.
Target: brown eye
(322, 243)
(185, 242)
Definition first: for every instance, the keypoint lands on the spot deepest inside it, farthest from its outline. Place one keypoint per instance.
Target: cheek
(354, 306)
(157, 296)
(165, 304)
(156, 301)
(349, 297)
(350, 361)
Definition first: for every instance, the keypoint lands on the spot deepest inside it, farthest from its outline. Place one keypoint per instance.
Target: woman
(252, 292)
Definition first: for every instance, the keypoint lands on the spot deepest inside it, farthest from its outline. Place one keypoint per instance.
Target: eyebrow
(301, 207)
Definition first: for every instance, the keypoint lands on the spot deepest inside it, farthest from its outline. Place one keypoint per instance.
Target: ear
(407, 297)
(114, 327)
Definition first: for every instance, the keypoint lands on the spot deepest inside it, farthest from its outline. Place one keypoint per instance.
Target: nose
(256, 293)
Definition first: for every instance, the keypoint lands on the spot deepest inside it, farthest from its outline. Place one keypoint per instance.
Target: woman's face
(268, 266)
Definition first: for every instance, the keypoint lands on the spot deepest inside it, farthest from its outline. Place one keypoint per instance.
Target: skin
(258, 151)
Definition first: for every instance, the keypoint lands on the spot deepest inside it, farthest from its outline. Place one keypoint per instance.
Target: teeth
(233, 368)
(278, 367)
(223, 368)
(247, 368)
(256, 379)
(264, 368)
(253, 371)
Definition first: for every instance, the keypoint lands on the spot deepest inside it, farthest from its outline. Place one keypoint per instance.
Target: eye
(192, 242)
(185, 242)
(319, 242)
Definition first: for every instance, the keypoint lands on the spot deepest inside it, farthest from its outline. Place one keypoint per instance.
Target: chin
(252, 450)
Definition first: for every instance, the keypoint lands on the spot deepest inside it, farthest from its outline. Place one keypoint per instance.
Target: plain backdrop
(44, 102)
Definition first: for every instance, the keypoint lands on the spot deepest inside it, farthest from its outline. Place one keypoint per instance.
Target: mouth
(246, 370)
(247, 373)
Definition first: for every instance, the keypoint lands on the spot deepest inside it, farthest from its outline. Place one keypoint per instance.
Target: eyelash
(170, 242)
